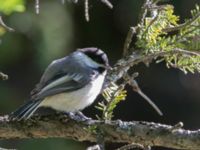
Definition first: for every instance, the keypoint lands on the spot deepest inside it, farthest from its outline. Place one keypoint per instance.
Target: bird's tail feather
(25, 111)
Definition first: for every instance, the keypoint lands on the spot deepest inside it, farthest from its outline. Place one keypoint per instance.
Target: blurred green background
(61, 28)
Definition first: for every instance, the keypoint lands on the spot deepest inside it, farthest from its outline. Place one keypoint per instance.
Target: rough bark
(60, 126)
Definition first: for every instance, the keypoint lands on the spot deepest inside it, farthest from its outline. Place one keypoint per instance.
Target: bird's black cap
(96, 54)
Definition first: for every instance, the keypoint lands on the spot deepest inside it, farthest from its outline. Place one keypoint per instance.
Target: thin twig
(107, 3)
(131, 32)
(151, 23)
(155, 107)
(5, 26)
(37, 6)
(144, 11)
(86, 7)
(133, 83)
(87, 17)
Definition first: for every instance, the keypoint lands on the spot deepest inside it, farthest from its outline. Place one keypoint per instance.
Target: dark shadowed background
(60, 29)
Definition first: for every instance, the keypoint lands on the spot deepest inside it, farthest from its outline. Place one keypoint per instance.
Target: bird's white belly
(77, 100)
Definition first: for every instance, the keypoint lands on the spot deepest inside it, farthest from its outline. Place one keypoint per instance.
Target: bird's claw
(78, 116)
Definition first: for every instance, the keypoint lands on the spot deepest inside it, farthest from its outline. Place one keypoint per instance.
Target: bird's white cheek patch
(77, 100)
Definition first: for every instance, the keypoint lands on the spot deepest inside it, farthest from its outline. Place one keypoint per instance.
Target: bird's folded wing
(52, 72)
(62, 76)
(66, 83)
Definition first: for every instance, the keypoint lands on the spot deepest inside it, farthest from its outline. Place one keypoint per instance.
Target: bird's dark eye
(101, 69)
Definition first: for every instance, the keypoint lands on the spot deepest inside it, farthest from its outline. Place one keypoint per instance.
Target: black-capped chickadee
(68, 84)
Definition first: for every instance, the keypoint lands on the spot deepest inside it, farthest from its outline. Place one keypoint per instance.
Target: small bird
(68, 84)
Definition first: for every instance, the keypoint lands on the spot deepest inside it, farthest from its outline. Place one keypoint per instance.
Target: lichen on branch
(116, 131)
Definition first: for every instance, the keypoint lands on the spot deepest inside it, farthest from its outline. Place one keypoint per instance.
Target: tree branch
(60, 126)
(131, 32)
(144, 11)
(124, 64)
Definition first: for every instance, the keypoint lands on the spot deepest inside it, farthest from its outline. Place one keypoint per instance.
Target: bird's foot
(78, 116)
